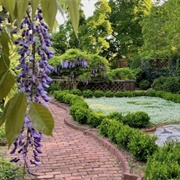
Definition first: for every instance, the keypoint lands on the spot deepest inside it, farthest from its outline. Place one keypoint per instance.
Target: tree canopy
(161, 30)
(92, 32)
(125, 18)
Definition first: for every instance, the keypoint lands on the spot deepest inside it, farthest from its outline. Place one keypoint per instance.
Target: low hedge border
(69, 121)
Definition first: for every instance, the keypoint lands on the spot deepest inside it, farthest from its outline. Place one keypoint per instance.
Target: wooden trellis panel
(160, 63)
(106, 86)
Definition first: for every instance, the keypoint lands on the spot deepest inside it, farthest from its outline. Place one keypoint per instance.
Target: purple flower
(33, 79)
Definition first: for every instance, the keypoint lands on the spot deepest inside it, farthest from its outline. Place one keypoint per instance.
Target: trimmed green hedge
(139, 144)
(164, 164)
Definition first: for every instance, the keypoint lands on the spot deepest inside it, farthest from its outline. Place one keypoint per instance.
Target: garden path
(72, 155)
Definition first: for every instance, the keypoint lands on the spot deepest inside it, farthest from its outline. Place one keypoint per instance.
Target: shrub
(128, 94)
(103, 127)
(98, 93)
(164, 163)
(137, 120)
(142, 145)
(76, 92)
(54, 86)
(67, 98)
(119, 94)
(9, 170)
(95, 118)
(81, 115)
(87, 94)
(113, 129)
(115, 115)
(77, 104)
(59, 95)
(122, 74)
(123, 137)
(169, 84)
(144, 84)
(109, 94)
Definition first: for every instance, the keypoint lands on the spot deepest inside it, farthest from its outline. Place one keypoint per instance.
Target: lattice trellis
(160, 63)
(106, 86)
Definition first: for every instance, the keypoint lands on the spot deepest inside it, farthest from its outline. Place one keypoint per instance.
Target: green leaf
(34, 4)
(13, 114)
(4, 64)
(49, 10)
(7, 81)
(4, 41)
(60, 8)
(41, 118)
(9, 5)
(73, 6)
(22, 6)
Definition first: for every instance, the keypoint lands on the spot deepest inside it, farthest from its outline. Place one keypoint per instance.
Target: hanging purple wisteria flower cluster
(72, 64)
(33, 79)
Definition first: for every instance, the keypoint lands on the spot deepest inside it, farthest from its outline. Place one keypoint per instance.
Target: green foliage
(141, 119)
(123, 137)
(150, 72)
(97, 26)
(115, 115)
(144, 84)
(41, 118)
(81, 115)
(76, 92)
(119, 94)
(3, 140)
(109, 94)
(122, 74)
(76, 105)
(9, 171)
(126, 20)
(161, 30)
(169, 84)
(4, 86)
(165, 95)
(104, 126)
(13, 116)
(164, 164)
(128, 94)
(54, 86)
(113, 129)
(142, 145)
(97, 66)
(60, 94)
(95, 118)
(87, 94)
(73, 7)
(98, 93)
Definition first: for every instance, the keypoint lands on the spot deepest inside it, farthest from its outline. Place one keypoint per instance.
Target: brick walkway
(71, 155)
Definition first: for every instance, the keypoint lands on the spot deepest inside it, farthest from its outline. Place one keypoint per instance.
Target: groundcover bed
(159, 110)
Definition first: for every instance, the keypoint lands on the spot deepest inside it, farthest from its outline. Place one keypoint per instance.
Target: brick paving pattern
(71, 155)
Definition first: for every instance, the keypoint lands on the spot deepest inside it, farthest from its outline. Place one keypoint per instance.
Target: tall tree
(127, 30)
(92, 32)
(161, 30)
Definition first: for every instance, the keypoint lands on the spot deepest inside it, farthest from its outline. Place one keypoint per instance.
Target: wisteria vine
(33, 79)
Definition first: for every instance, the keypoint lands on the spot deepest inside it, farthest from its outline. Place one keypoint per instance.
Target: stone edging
(126, 175)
